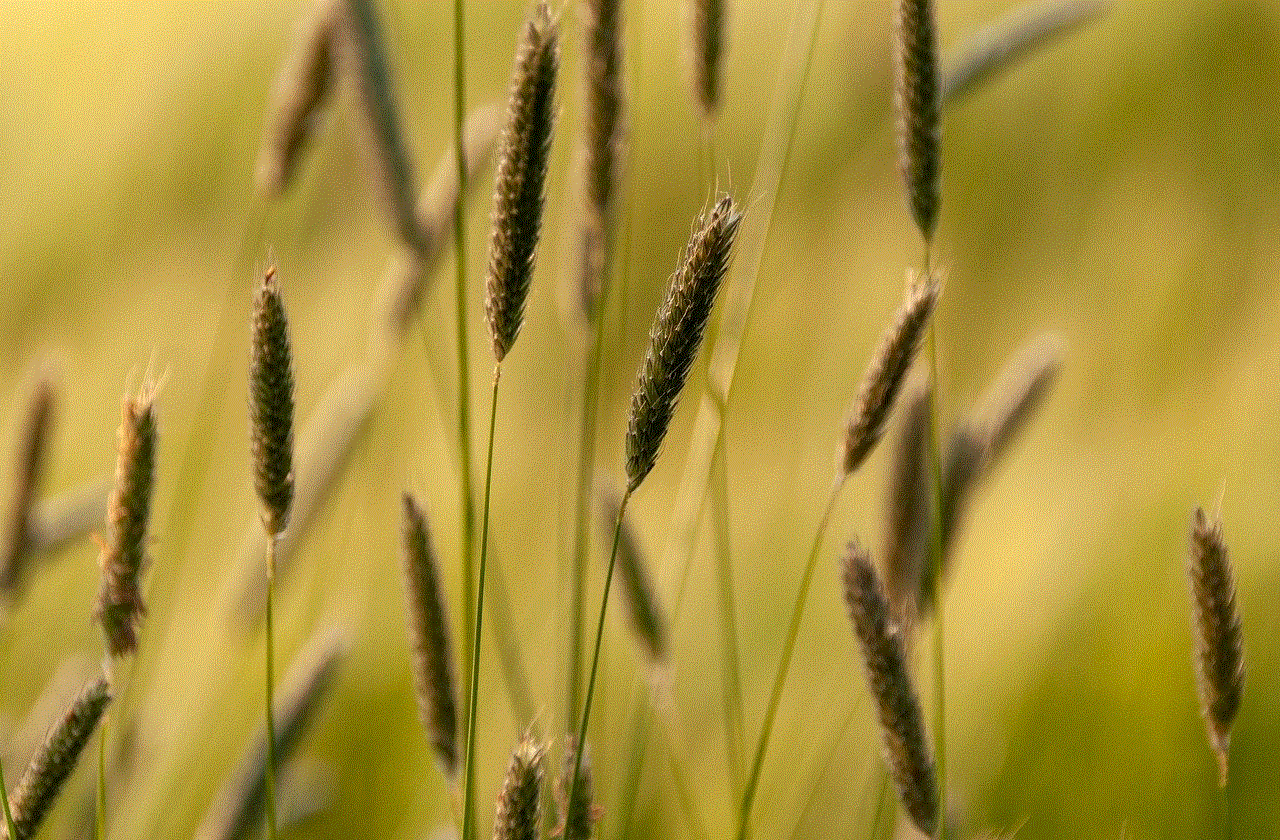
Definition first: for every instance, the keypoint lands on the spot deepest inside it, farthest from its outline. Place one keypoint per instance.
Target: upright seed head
(906, 750)
(519, 814)
(429, 633)
(889, 366)
(676, 335)
(708, 51)
(577, 816)
(300, 93)
(1219, 644)
(271, 405)
(522, 172)
(916, 91)
(908, 506)
(124, 554)
(648, 620)
(29, 464)
(54, 761)
(963, 462)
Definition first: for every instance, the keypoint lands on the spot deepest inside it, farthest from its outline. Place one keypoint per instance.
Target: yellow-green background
(1119, 190)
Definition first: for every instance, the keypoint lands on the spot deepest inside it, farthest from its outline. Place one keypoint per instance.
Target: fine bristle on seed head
(708, 53)
(124, 554)
(917, 91)
(53, 762)
(1219, 640)
(433, 674)
(519, 813)
(271, 405)
(906, 750)
(28, 467)
(519, 189)
(889, 366)
(676, 335)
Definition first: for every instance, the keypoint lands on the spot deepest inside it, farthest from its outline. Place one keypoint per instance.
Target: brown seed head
(522, 171)
(905, 749)
(676, 335)
(124, 555)
(271, 405)
(888, 368)
(708, 52)
(1219, 643)
(32, 444)
(519, 814)
(648, 619)
(578, 816)
(908, 506)
(433, 675)
(916, 92)
(54, 761)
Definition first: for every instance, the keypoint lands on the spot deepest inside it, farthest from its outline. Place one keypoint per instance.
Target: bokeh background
(1119, 190)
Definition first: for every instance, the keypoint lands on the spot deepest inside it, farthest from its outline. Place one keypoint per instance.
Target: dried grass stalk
(906, 749)
(239, 808)
(576, 817)
(271, 405)
(300, 93)
(1219, 643)
(916, 91)
(998, 47)
(889, 366)
(32, 443)
(648, 619)
(603, 139)
(124, 555)
(433, 674)
(519, 812)
(908, 506)
(522, 170)
(676, 335)
(54, 761)
(708, 53)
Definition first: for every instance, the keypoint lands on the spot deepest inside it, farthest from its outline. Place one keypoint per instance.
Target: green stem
(788, 648)
(1226, 806)
(4, 800)
(468, 775)
(879, 816)
(939, 657)
(271, 679)
(595, 655)
(735, 729)
(100, 806)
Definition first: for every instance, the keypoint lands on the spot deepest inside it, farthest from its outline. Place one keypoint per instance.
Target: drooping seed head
(54, 761)
(708, 53)
(1020, 389)
(519, 812)
(916, 91)
(996, 48)
(908, 506)
(577, 811)
(889, 366)
(676, 335)
(648, 619)
(300, 93)
(271, 405)
(124, 554)
(433, 675)
(1219, 640)
(522, 170)
(32, 443)
(906, 750)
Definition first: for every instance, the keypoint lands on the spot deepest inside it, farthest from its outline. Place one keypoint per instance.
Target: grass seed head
(271, 405)
(917, 92)
(32, 445)
(519, 812)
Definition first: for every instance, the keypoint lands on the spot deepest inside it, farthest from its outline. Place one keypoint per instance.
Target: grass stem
(735, 729)
(272, 539)
(100, 802)
(939, 655)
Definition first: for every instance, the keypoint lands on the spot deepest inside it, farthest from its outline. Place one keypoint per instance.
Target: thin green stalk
(468, 773)
(788, 648)
(595, 656)
(271, 679)
(4, 800)
(1226, 806)
(735, 729)
(100, 806)
(879, 817)
(939, 658)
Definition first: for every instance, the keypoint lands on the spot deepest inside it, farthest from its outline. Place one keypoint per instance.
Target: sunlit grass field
(1118, 189)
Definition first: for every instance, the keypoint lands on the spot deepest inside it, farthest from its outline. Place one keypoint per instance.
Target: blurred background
(1118, 189)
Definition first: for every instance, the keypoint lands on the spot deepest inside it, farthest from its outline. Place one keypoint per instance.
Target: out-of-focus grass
(1119, 190)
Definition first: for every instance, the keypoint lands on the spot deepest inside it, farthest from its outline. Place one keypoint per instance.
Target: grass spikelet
(522, 170)
(999, 46)
(32, 443)
(433, 674)
(1219, 644)
(56, 758)
(1019, 391)
(271, 405)
(300, 93)
(603, 138)
(124, 555)
(238, 810)
(908, 504)
(577, 812)
(708, 52)
(888, 367)
(676, 335)
(376, 98)
(648, 619)
(916, 92)
(519, 812)
(906, 750)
